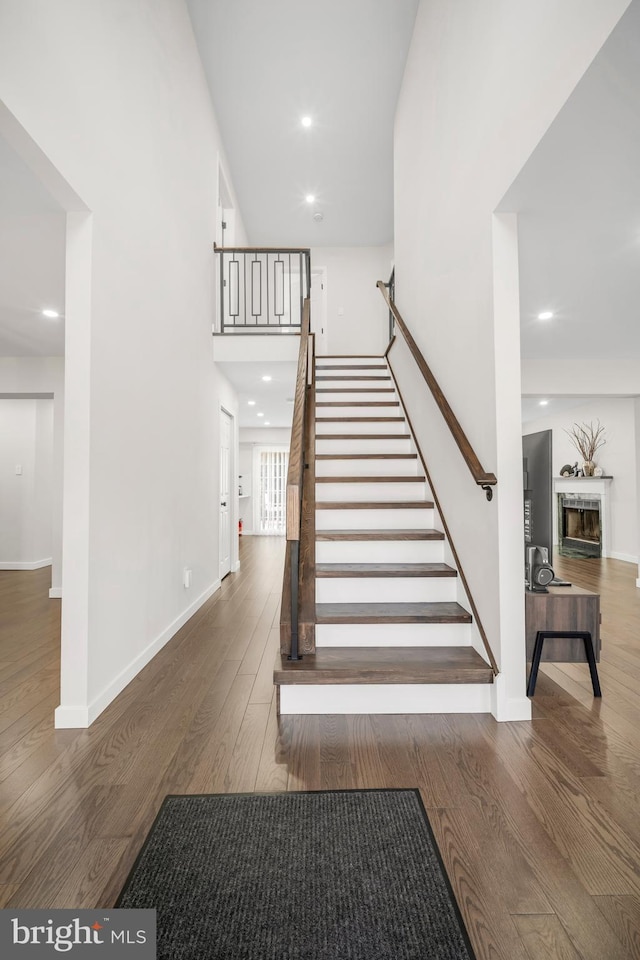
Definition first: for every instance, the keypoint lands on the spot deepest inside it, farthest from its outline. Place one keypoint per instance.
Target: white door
(318, 312)
(225, 493)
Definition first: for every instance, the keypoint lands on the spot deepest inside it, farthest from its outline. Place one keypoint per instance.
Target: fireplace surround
(582, 515)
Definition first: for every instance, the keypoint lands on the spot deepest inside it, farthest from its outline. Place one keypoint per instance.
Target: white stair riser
(404, 519)
(379, 551)
(347, 411)
(366, 380)
(388, 492)
(360, 427)
(366, 468)
(393, 635)
(348, 361)
(385, 589)
(341, 396)
(386, 698)
(355, 369)
(364, 444)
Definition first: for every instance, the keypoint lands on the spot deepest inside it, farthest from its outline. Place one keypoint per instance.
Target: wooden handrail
(479, 474)
(295, 472)
(305, 250)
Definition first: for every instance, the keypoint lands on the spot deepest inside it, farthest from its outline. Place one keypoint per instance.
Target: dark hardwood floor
(537, 822)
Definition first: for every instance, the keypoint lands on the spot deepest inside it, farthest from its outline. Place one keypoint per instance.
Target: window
(270, 470)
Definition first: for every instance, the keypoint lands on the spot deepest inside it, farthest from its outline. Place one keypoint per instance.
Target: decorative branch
(586, 439)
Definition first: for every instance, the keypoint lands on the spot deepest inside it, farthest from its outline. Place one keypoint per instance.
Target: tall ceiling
(339, 62)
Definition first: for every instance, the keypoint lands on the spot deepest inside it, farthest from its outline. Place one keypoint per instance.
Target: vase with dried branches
(587, 439)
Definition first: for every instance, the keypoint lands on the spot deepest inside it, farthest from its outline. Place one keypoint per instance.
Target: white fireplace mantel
(585, 487)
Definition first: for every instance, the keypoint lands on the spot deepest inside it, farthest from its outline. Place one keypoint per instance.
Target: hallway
(537, 822)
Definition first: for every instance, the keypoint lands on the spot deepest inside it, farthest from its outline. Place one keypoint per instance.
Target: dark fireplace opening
(580, 525)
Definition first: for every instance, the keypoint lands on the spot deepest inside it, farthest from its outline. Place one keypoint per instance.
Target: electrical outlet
(186, 578)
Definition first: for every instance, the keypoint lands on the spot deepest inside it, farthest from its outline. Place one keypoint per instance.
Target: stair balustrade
(262, 289)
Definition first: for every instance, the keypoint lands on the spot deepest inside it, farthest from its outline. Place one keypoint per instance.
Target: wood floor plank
(623, 915)
(273, 772)
(544, 937)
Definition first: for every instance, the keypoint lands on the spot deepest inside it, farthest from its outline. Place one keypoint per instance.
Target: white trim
(506, 708)
(235, 566)
(626, 557)
(55, 593)
(83, 716)
(25, 565)
(385, 698)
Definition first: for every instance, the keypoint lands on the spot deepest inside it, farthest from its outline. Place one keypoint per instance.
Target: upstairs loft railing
(262, 289)
(484, 479)
(297, 619)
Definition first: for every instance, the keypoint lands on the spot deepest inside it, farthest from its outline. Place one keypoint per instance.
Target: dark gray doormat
(297, 876)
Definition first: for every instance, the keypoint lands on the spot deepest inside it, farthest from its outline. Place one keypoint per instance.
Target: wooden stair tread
(356, 366)
(379, 478)
(340, 665)
(447, 611)
(379, 535)
(338, 570)
(355, 390)
(374, 505)
(358, 403)
(366, 456)
(360, 420)
(363, 436)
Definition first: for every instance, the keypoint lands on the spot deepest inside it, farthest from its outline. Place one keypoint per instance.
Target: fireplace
(582, 515)
(580, 527)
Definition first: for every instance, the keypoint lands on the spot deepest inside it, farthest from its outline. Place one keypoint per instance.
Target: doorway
(226, 432)
(319, 309)
(270, 465)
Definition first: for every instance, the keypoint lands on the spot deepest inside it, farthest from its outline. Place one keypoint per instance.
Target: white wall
(114, 96)
(617, 457)
(26, 432)
(474, 103)
(352, 274)
(29, 377)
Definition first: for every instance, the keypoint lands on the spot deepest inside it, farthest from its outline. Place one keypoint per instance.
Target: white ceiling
(32, 259)
(274, 399)
(340, 62)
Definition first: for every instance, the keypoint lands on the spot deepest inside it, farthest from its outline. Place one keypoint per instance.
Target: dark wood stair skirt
(337, 570)
(447, 611)
(339, 665)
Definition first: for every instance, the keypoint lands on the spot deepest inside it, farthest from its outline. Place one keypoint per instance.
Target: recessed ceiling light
(52, 314)
(310, 198)
(543, 403)
(267, 424)
(251, 403)
(261, 414)
(545, 315)
(318, 217)
(266, 378)
(306, 121)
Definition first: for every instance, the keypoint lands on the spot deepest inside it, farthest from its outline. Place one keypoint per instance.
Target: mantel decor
(587, 439)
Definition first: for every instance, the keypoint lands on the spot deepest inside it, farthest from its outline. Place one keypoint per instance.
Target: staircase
(393, 633)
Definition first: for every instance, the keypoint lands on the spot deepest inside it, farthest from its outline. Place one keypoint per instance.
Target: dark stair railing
(297, 619)
(262, 289)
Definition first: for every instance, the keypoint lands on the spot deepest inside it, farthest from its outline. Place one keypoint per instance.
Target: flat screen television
(538, 491)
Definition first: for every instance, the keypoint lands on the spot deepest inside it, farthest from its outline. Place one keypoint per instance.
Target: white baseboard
(83, 716)
(506, 708)
(627, 557)
(55, 593)
(28, 565)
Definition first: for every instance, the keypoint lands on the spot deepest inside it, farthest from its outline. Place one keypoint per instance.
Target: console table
(562, 608)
